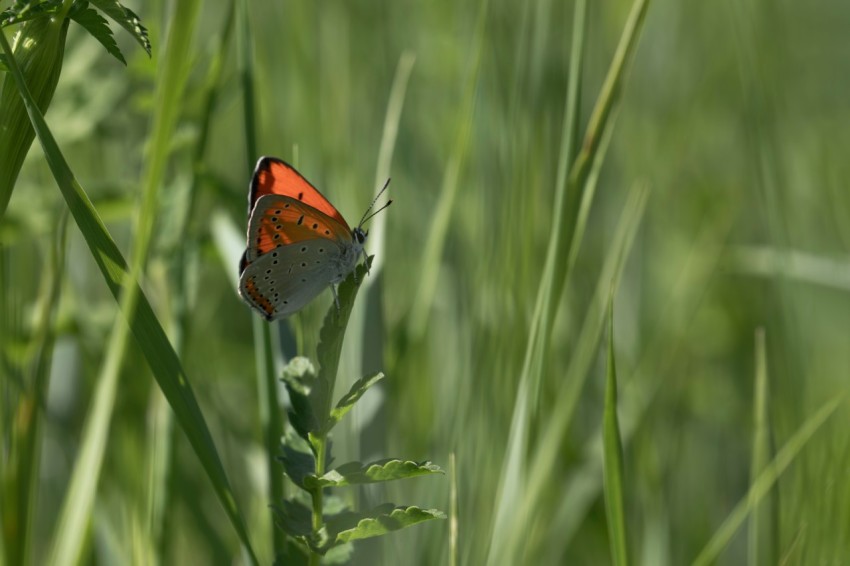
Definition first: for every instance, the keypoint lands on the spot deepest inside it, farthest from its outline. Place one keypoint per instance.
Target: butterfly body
(298, 243)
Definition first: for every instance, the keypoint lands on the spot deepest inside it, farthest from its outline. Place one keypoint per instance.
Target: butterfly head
(360, 235)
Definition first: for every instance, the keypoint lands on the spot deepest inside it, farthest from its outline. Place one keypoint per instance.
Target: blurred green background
(734, 117)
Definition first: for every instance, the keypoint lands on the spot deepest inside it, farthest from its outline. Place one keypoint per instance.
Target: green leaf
(292, 554)
(297, 459)
(307, 394)
(613, 454)
(96, 25)
(21, 12)
(3, 67)
(333, 332)
(294, 518)
(354, 394)
(379, 521)
(127, 19)
(380, 471)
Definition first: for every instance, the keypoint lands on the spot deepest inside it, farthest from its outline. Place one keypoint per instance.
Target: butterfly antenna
(366, 215)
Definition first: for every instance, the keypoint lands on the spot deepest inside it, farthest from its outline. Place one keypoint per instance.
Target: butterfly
(298, 243)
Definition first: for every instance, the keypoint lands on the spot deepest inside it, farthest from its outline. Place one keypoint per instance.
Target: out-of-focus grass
(731, 114)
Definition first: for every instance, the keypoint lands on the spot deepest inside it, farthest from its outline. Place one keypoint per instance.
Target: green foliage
(715, 204)
(306, 453)
(96, 25)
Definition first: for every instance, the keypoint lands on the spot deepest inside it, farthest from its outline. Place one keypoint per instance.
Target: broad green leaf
(613, 457)
(96, 25)
(354, 394)
(307, 395)
(379, 521)
(380, 471)
(127, 19)
(297, 459)
(3, 67)
(294, 518)
(333, 332)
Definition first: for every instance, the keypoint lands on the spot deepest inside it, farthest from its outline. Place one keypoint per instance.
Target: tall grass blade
(146, 329)
(271, 419)
(613, 449)
(762, 485)
(761, 543)
(564, 240)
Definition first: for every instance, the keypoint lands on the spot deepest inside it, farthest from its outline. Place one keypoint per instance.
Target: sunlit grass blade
(761, 541)
(762, 485)
(149, 335)
(796, 265)
(584, 485)
(512, 475)
(564, 240)
(613, 451)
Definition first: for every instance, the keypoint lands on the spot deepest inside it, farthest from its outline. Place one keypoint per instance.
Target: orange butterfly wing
(275, 177)
(281, 220)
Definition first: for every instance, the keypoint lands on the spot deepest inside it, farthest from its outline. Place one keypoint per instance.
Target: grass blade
(761, 547)
(764, 482)
(139, 315)
(613, 451)
(271, 419)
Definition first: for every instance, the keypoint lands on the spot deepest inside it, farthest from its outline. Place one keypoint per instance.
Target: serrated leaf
(306, 395)
(96, 25)
(294, 518)
(298, 464)
(293, 554)
(21, 12)
(354, 394)
(127, 19)
(333, 332)
(380, 471)
(376, 522)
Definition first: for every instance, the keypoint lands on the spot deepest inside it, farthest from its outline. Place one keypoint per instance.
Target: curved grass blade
(139, 315)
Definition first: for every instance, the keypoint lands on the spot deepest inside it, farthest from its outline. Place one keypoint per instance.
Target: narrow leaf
(127, 19)
(613, 452)
(354, 394)
(379, 521)
(380, 471)
(761, 549)
(96, 25)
